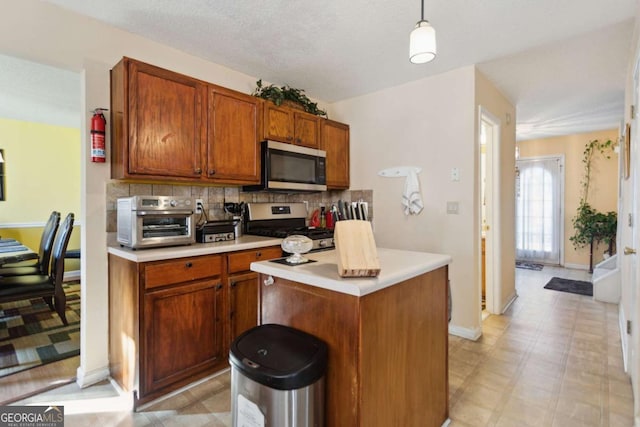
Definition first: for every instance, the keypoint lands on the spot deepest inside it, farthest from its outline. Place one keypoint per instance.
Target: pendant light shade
(422, 41)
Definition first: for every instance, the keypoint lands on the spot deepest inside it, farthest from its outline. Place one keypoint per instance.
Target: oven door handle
(164, 213)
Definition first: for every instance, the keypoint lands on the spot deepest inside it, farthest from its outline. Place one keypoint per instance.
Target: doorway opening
(489, 170)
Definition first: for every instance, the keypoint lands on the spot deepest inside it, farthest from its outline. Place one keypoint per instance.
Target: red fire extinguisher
(98, 123)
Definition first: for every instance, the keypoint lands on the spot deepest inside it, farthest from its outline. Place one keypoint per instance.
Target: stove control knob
(269, 281)
(173, 203)
(324, 243)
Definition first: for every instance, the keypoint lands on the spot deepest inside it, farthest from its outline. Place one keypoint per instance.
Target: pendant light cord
(422, 11)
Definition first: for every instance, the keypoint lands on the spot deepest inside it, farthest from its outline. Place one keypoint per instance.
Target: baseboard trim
(577, 266)
(470, 334)
(512, 298)
(85, 379)
(624, 340)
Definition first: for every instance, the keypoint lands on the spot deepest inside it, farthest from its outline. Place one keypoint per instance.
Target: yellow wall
(42, 171)
(603, 187)
(42, 174)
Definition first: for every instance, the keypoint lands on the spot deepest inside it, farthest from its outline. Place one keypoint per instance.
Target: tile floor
(554, 359)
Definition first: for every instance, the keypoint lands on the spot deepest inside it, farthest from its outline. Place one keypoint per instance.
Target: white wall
(430, 124)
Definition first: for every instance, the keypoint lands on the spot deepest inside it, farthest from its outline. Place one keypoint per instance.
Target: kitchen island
(387, 336)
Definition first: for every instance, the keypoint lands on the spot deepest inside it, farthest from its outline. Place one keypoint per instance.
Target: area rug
(572, 286)
(529, 265)
(31, 334)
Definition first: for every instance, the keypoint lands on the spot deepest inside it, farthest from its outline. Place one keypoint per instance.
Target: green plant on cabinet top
(278, 95)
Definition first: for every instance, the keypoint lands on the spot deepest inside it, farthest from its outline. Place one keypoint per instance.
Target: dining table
(13, 251)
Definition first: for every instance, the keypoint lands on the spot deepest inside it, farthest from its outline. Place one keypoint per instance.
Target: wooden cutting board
(356, 249)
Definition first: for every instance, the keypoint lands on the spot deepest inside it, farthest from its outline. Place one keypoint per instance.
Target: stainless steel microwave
(291, 168)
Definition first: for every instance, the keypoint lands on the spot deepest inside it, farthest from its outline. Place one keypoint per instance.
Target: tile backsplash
(214, 197)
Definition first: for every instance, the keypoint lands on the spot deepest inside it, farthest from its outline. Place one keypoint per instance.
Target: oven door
(163, 228)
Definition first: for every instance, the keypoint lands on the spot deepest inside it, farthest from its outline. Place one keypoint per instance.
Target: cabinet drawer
(181, 270)
(240, 261)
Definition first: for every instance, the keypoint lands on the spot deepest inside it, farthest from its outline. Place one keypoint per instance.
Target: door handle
(629, 251)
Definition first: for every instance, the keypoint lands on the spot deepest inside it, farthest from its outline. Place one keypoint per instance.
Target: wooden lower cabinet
(182, 333)
(244, 289)
(387, 350)
(243, 303)
(172, 322)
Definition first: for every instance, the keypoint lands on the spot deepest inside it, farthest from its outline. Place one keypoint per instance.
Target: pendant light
(422, 41)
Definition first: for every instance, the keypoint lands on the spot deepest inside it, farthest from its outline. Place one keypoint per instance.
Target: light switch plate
(452, 208)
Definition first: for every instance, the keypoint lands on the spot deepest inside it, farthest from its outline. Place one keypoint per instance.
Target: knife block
(356, 249)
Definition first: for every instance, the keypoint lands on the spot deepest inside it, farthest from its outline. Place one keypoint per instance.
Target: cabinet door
(182, 333)
(165, 122)
(234, 128)
(335, 141)
(307, 130)
(278, 123)
(243, 303)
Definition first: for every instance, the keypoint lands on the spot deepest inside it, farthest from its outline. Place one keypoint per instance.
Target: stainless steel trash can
(277, 378)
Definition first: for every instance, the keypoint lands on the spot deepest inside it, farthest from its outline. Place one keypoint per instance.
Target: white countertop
(395, 266)
(195, 249)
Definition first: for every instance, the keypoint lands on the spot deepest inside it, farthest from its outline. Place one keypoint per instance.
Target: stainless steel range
(282, 220)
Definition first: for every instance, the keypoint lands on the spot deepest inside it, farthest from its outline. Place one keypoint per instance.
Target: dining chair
(47, 286)
(41, 264)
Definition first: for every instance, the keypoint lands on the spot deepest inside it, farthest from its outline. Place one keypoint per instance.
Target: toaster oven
(155, 221)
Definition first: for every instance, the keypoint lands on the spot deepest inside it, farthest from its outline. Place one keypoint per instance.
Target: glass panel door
(538, 210)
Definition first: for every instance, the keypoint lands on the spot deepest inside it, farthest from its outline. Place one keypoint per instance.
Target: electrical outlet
(199, 206)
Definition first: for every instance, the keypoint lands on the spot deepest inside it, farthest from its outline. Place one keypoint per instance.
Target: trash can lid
(279, 356)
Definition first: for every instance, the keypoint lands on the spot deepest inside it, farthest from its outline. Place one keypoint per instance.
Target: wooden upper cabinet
(307, 130)
(157, 124)
(335, 141)
(278, 123)
(233, 134)
(285, 124)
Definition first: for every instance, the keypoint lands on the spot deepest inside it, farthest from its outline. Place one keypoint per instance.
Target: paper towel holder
(399, 171)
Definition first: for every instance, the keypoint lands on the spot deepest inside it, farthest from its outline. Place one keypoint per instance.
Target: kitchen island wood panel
(387, 349)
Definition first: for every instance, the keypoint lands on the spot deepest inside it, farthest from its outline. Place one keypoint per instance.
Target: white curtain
(538, 208)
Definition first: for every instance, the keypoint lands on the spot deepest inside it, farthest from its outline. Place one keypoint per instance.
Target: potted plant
(590, 225)
(287, 95)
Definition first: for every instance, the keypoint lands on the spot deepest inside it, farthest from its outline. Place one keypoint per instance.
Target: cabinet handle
(218, 287)
(233, 284)
(258, 254)
(212, 171)
(198, 171)
(289, 138)
(189, 265)
(268, 281)
(298, 140)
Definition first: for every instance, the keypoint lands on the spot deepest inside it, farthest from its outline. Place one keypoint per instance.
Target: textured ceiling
(562, 63)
